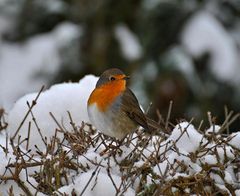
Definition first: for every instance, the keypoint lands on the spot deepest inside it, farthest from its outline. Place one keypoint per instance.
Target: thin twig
(168, 114)
(34, 102)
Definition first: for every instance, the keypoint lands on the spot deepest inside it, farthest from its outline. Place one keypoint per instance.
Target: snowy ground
(80, 160)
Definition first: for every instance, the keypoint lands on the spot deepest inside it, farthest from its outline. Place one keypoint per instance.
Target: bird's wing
(131, 107)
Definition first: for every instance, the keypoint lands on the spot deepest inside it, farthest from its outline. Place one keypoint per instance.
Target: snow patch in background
(35, 59)
(129, 43)
(5, 25)
(58, 100)
(52, 6)
(204, 34)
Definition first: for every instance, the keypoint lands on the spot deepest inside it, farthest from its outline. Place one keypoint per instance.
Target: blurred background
(187, 51)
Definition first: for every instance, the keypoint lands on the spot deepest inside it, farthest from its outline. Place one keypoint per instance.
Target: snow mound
(58, 100)
(186, 137)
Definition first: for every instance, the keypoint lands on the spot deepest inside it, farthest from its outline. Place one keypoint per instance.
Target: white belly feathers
(103, 122)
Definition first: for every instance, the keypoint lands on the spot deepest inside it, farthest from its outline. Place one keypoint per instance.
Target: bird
(114, 109)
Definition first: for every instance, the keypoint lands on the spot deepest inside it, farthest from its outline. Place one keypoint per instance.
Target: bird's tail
(154, 127)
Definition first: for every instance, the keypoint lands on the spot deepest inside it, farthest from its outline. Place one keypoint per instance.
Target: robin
(114, 109)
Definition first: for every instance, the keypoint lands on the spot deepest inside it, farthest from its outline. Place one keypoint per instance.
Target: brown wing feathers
(131, 106)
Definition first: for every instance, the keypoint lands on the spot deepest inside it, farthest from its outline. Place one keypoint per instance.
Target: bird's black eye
(112, 78)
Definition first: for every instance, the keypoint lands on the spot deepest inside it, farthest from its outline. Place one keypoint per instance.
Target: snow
(102, 188)
(150, 71)
(161, 168)
(5, 25)
(237, 192)
(129, 43)
(213, 129)
(209, 159)
(183, 61)
(58, 100)
(37, 58)
(96, 159)
(204, 33)
(186, 137)
(235, 141)
(151, 4)
(52, 6)
(228, 178)
(225, 151)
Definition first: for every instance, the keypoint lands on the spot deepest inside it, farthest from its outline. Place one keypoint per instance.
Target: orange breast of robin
(106, 94)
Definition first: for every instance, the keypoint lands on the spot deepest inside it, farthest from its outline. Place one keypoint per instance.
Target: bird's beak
(126, 77)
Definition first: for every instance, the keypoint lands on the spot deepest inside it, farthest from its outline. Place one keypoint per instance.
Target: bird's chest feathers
(105, 95)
